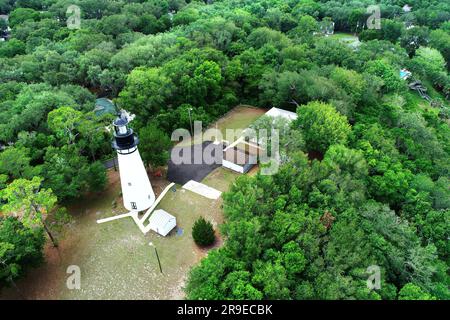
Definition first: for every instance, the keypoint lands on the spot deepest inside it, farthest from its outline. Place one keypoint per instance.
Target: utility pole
(190, 120)
(157, 256)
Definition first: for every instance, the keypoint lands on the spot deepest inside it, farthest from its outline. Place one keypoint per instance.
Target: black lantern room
(125, 140)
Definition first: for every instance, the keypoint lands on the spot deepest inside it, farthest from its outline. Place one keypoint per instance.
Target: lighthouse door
(133, 205)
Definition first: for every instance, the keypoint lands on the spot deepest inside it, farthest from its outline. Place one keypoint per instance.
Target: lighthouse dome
(125, 140)
(121, 121)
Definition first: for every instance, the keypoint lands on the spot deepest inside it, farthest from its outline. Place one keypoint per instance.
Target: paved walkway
(202, 189)
(134, 214)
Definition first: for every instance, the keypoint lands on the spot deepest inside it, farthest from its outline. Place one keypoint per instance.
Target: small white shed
(162, 222)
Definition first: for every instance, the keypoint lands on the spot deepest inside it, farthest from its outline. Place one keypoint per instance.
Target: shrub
(203, 232)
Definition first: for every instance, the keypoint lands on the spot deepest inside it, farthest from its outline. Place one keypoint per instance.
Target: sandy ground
(115, 258)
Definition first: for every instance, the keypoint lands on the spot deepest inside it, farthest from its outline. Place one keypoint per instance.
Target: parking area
(196, 164)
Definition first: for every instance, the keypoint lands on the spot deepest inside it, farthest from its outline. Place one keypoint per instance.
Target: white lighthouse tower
(136, 188)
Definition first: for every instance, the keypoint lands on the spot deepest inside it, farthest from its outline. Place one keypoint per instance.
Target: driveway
(188, 170)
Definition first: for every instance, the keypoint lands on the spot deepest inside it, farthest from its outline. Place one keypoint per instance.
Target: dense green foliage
(20, 248)
(31, 202)
(379, 194)
(203, 232)
(154, 145)
(322, 126)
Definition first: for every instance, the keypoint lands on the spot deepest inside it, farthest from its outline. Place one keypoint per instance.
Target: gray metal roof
(160, 218)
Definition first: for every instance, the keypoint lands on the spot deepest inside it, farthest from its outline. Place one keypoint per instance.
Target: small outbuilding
(243, 154)
(240, 158)
(162, 222)
(277, 112)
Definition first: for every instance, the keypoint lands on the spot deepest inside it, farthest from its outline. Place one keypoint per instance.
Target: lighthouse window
(133, 205)
(129, 184)
(122, 129)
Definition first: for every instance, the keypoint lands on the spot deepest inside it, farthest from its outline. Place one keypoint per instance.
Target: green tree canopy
(20, 248)
(26, 199)
(322, 126)
(154, 145)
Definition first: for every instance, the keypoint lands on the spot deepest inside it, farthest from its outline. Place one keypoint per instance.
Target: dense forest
(366, 183)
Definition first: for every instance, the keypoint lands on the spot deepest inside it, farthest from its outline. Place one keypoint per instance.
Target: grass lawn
(412, 100)
(221, 179)
(343, 36)
(347, 38)
(238, 118)
(115, 258)
(121, 264)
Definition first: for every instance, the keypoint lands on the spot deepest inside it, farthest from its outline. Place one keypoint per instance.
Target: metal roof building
(276, 112)
(162, 222)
